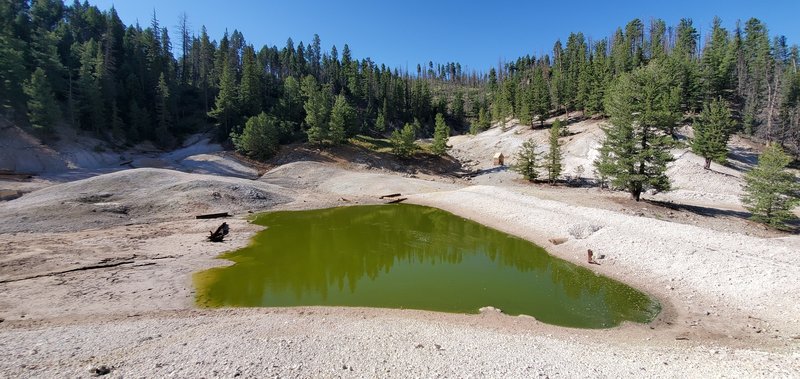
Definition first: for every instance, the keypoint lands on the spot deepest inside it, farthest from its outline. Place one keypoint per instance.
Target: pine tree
(12, 72)
(225, 107)
(552, 161)
(290, 110)
(712, 131)
(260, 137)
(342, 119)
(756, 50)
(527, 161)
(91, 101)
(620, 53)
(250, 90)
(771, 192)
(524, 100)
(317, 107)
(600, 78)
(380, 120)
(658, 46)
(635, 152)
(440, 134)
(164, 135)
(482, 123)
(43, 111)
(540, 99)
(458, 107)
(717, 65)
(402, 141)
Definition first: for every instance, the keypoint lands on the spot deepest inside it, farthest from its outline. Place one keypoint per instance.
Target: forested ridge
(81, 65)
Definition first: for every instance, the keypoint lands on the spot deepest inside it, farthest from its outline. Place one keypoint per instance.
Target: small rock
(490, 308)
(100, 370)
(419, 346)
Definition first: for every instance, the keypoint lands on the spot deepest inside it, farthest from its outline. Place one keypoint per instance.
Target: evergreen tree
(528, 161)
(250, 90)
(524, 100)
(458, 107)
(380, 120)
(440, 135)
(658, 45)
(290, 109)
(260, 137)
(163, 130)
(712, 131)
(756, 54)
(600, 76)
(552, 161)
(91, 101)
(540, 99)
(12, 72)
(403, 141)
(317, 107)
(482, 123)
(342, 119)
(634, 41)
(635, 152)
(771, 192)
(225, 107)
(686, 44)
(43, 111)
(717, 65)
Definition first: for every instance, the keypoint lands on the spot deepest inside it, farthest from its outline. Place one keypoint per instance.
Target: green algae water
(410, 256)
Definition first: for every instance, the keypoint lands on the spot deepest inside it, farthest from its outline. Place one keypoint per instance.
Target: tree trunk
(636, 194)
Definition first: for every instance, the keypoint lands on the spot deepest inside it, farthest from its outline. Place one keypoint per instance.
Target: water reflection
(408, 256)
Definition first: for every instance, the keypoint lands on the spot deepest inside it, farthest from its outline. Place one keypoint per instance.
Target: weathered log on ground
(397, 200)
(388, 196)
(212, 215)
(219, 234)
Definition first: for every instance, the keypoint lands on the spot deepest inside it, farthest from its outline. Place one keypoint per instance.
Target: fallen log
(397, 200)
(126, 163)
(388, 196)
(212, 215)
(219, 234)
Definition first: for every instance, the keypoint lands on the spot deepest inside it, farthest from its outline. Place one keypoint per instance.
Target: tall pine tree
(712, 131)
(635, 152)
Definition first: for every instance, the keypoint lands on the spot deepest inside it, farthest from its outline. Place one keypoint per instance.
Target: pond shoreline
(140, 319)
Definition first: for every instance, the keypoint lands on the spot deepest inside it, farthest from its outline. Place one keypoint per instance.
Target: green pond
(410, 256)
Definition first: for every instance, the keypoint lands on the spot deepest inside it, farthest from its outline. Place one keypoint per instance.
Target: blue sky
(475, 34)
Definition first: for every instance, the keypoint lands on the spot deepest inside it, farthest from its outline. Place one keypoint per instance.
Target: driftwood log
(212, 215)
(219, 234)
(388, 196)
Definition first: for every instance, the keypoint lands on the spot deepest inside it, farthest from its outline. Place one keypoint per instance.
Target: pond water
(410, 256)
